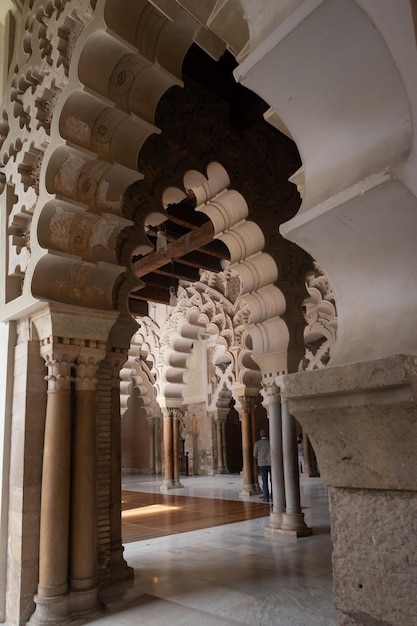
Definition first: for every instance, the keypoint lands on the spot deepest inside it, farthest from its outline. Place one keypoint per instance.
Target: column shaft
(151, 426)
(293, 518)
(175, 450)
(55, 499)
(247, 450)
(168, 452)
(277, 469)
(219, 446)
(83, 496)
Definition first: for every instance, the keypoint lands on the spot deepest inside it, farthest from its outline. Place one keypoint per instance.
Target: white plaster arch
(357, 145)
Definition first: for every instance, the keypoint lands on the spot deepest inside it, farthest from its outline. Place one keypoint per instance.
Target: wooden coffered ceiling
(191, 247)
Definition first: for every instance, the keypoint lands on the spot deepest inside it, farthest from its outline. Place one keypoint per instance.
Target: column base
(275, 523)
(51, 611)
(293, 525)
(170, 485)
(84, 602)
(248, 490)
(119, 569)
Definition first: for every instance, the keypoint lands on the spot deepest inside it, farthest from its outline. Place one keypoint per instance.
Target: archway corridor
(227, 574)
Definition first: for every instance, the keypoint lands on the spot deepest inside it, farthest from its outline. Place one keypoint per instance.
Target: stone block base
(374, 556)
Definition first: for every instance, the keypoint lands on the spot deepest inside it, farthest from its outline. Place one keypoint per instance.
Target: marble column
(249, 487)
(83, 576)
(52, 598)
(293, 519)
(277, 468)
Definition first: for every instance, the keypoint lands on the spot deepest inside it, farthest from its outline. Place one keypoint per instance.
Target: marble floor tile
(228, 574)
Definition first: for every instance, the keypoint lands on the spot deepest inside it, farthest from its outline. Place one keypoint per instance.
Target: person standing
(262, 452)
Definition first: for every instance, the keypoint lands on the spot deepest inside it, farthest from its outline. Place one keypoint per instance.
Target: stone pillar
(119, 569)
(52, 598)
(293, 519)
(83, 576)
(361, 419)
(249, 487)
(277, 469)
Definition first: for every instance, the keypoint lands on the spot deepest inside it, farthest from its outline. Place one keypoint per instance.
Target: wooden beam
(187, 243)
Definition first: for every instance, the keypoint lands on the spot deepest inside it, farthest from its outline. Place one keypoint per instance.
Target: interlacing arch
(205, 310)
(321, 317)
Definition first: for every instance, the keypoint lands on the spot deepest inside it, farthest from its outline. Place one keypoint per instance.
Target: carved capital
(248, 403)
(59, 373)
(85, 373)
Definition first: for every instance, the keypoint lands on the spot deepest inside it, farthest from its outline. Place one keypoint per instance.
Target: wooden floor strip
(148, 515)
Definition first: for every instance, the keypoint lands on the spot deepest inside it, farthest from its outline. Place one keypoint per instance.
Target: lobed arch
(227, 211)
(103, 122)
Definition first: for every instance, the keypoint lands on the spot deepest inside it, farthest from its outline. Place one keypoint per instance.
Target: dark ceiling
(189, 233)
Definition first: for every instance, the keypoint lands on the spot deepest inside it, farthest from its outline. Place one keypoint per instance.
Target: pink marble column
(249, 487)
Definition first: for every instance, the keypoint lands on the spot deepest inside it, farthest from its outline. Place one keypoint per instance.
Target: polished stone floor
(227, 574)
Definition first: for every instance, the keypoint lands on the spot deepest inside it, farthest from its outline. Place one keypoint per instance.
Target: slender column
(52, 599)
(249, 487)
(168, 451)
(254, 435)
(224, 451)
(119, 569)
(175, 449)
(218, 427)
(151, 426)
(293, 519)
(83, 576)
(277, 469)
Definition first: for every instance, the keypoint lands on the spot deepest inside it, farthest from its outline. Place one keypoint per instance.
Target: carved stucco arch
(202, 310)
(104, 124)
(100, 64)
(136, 377)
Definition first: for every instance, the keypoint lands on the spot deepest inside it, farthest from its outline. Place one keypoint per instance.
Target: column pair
(286, 516)
(67, 553)
(171, 434)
